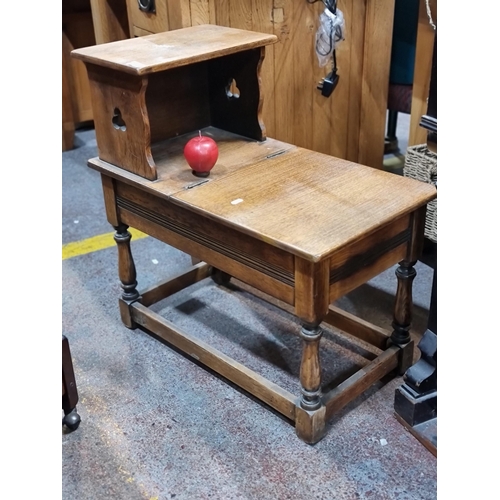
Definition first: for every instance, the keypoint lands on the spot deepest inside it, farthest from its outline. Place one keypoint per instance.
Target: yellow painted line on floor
(95, 243)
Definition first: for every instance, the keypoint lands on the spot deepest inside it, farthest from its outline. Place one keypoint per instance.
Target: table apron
(251, 260)
(248, 259)
(362, 260)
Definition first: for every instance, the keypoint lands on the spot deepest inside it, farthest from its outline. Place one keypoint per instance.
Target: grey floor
(157, 426)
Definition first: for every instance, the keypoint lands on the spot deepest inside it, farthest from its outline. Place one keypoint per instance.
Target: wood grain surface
(174, 174)
(171, 49)
(307, 203)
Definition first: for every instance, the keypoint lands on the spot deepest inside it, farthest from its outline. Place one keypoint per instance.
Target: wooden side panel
(121, 120)
(375, 84)
(254, 15)
(240, 113)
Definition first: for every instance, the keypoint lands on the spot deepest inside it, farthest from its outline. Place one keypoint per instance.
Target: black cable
(331, 5)
(334, 36)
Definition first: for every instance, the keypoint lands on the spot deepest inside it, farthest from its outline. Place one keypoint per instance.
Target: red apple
(201, 153)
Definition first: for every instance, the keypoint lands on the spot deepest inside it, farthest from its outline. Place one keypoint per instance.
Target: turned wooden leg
(403, 314)
(310, 414)
(126, 273)
(310, 369)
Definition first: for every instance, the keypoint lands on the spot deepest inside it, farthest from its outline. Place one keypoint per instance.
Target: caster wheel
(72, 420)
(220, 277)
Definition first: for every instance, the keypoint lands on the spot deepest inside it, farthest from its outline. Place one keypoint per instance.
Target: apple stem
(199, 131)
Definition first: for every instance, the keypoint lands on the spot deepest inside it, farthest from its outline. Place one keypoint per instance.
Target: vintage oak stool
(303, 227)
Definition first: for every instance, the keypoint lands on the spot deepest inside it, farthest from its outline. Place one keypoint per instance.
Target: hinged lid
(171, 49)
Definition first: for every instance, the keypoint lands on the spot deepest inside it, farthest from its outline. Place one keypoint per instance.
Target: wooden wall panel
(262, 20)
(110, 20)
(422, 74)
(200, 12)
(355, 12)
(328, 124)
(283, 70)
(78, 32)
(178, 14)
(379, 21)
(351, 122)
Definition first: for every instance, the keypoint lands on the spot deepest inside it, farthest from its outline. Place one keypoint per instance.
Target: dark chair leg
(415, 401)
(69, 392)
(391, 141)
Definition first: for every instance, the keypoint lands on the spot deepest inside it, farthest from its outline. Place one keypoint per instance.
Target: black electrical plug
(328, 84)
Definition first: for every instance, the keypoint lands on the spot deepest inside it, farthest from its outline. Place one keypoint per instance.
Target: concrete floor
(155, 425)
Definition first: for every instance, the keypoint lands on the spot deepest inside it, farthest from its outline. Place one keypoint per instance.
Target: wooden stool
(303, 227)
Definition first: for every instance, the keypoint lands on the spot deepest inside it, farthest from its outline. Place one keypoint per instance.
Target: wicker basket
(421, 164)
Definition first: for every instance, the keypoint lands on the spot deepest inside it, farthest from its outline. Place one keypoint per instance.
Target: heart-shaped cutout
(118, 121)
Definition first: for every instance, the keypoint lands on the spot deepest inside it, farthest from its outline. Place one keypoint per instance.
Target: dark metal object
(71, 418)
(415, 402)
(416, 399)
(328, 84)
(147, 5)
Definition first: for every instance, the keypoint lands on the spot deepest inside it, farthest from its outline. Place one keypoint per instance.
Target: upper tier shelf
(174, 173)
(171, 49)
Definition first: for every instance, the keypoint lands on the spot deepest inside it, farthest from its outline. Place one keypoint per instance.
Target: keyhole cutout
(232, 91)
(117, 120)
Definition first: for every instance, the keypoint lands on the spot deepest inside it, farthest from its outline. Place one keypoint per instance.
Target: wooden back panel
(240, 113)
(177, 101)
